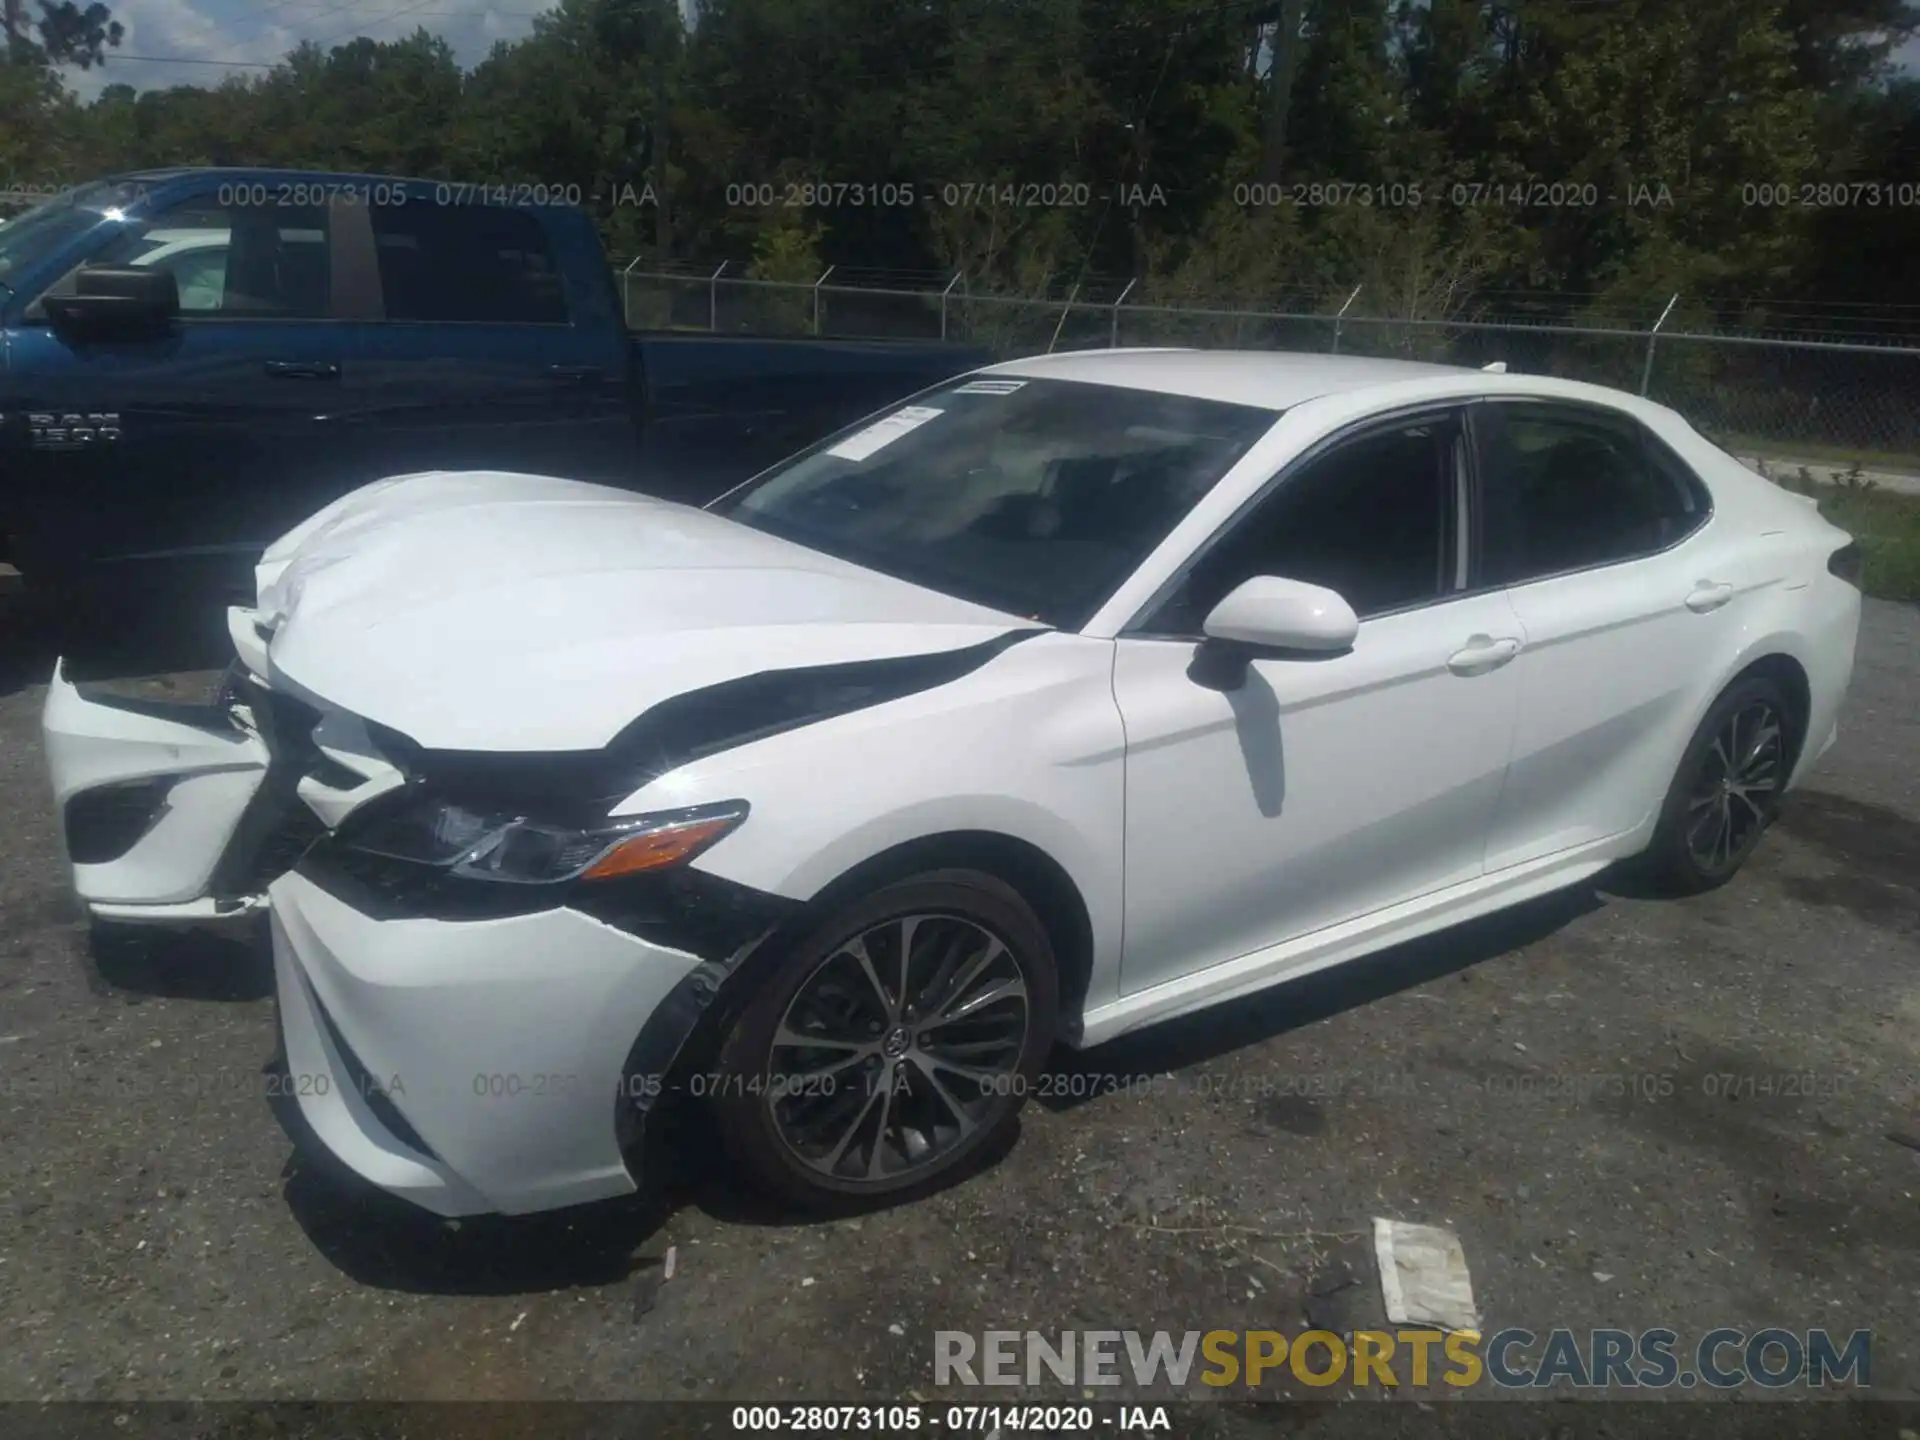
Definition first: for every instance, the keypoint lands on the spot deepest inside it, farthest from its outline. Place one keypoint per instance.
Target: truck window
(23, 241)
(478, 265)
(26, 239)
(232, 262)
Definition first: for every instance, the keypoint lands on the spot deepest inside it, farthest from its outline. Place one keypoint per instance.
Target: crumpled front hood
(478, 610)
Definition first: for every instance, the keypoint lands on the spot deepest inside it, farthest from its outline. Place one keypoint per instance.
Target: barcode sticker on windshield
(862, 443)
(988, 387)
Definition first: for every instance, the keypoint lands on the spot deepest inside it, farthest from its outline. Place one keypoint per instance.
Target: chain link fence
(1825, 402)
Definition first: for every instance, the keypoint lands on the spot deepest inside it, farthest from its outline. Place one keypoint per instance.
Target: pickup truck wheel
(67, 614)
(107, 626)
(891, 1045)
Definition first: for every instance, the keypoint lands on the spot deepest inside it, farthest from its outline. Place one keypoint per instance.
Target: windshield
(45, 228)
(1036, 497)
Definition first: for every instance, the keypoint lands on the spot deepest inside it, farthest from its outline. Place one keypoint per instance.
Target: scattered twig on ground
(1252, 1230)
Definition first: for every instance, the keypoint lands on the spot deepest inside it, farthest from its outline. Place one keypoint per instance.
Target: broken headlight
(520, 850)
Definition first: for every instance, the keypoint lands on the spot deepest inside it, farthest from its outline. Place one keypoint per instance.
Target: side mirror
(1268, 615)
(112, 302)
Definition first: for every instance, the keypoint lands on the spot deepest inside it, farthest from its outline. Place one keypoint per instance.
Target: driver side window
(231, 261)
(1374, 518)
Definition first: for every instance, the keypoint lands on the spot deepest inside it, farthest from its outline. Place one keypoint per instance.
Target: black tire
(1711, 821)
(110, 622)
(829, 1128)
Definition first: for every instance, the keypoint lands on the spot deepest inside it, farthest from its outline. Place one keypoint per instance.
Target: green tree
(41, 141)
(1049, 143)
(64, 33)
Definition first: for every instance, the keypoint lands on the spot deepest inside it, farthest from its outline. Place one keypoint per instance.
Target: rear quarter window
(1571, 487)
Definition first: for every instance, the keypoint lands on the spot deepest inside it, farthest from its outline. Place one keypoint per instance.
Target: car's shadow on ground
(387, 1243)
(383, 1242)
(183, 965)
(1207, 1035)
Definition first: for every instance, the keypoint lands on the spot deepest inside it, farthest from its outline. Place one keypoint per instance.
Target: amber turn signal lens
(656, 849)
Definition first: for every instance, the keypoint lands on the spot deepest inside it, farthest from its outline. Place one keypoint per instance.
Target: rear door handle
(1708, 595)
(575, 374)
(302, 369)
(1483, 653)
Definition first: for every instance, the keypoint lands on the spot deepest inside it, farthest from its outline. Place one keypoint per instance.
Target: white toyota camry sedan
(1074, 694)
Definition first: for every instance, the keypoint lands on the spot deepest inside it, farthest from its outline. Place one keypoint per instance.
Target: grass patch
(1885, 522)
(1839, 456)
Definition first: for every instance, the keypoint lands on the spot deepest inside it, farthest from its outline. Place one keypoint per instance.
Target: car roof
(1270, 379)
(1278, 380)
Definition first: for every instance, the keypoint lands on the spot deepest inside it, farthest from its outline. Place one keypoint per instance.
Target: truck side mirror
(115, 302)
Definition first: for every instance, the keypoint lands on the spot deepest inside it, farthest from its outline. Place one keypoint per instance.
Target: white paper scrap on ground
(883, 432)
(1423, 1276)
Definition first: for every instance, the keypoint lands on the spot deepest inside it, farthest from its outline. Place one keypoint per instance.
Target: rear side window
(1571, 488)
(478, 265)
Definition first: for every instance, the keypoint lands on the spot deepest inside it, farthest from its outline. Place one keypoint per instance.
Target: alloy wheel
(897, 1047)
(1740, 777)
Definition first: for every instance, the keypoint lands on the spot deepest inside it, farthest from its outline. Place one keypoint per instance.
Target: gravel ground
(1540, 1082)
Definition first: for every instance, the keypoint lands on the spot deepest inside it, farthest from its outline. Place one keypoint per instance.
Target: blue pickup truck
(193, 360)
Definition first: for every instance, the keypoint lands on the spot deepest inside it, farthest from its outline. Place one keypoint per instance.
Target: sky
(188, 34)
(178, 41)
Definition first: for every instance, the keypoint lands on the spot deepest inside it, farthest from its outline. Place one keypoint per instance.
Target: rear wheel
(1727, 790)
(890, 1045)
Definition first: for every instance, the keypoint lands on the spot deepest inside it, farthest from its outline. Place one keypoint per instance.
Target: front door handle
(1483, 653)
(575, 374)
(302, 369)
(1708, 595)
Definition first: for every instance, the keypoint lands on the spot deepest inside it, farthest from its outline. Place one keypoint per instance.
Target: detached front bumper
(466, 1055)
(469, 1066)
(176, 813)
(148, 795)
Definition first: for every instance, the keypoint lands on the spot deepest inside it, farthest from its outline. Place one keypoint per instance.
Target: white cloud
(263, 31)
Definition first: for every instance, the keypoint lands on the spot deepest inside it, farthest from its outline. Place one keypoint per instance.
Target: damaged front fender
(739, 933)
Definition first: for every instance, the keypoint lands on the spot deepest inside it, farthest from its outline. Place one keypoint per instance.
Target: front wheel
(890, 1045)
(1727, 790)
